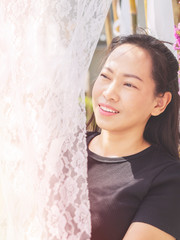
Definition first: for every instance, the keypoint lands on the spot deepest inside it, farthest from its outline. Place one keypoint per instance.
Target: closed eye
(104, 76)
(130, 85)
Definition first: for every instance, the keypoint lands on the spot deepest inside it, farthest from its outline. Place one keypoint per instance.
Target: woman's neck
(114, 144)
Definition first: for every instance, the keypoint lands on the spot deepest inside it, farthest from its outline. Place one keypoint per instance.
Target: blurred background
(156, 17)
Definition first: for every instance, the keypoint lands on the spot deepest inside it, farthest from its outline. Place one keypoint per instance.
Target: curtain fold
(160, 20)
(45, 51)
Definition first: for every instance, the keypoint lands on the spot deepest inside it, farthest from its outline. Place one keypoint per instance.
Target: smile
(107, 111)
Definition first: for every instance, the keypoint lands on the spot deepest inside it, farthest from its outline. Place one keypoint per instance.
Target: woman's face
(123, 94)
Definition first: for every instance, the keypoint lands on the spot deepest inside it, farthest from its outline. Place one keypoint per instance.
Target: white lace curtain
(45, 50)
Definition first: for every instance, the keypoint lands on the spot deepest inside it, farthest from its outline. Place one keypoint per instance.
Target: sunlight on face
(123, 94)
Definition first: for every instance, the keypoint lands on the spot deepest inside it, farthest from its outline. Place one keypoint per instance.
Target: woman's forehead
(131, 59)
(129, 51)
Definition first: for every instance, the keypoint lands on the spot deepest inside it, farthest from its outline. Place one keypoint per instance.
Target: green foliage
(89, 108)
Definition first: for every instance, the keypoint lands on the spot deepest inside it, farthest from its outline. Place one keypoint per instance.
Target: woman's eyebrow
(125, 75)
(132, 76)
(109, 69)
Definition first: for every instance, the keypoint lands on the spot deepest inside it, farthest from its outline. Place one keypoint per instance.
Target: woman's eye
(103, 75)
(129, 85)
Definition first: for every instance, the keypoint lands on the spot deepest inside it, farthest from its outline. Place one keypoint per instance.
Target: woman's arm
(158, 215)
(143, 231)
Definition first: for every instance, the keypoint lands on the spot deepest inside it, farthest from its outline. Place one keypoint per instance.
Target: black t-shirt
(144, 187)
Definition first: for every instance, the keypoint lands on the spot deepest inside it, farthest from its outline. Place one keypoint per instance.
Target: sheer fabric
(159, 26)
(45, 50)
(124, 19)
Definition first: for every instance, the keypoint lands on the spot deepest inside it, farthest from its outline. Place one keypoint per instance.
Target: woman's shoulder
(170, 174)
(160, 207)
(160, 154)
(168, 166)
(91, 135)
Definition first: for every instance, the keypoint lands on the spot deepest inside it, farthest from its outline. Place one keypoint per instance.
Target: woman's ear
(161, 103)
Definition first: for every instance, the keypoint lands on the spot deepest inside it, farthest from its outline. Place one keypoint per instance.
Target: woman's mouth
(107, 110)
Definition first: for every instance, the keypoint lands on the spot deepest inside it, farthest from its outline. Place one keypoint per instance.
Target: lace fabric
(45, 50)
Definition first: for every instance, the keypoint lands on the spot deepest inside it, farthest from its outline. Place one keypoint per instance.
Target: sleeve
(161, 206)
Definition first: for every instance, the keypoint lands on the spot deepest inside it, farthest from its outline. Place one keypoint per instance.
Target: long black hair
(164, 128)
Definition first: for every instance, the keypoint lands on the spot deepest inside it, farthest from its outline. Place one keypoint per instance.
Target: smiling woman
(133, 162)
(125, 88)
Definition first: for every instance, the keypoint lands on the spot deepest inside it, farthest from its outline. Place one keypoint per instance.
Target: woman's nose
(111, 92)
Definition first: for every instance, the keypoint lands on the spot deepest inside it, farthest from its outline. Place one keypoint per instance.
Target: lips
(107, 110)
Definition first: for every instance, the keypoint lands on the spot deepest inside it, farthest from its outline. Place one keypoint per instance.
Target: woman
(133, 162)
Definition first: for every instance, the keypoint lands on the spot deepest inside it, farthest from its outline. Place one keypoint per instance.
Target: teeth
(107, 109)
